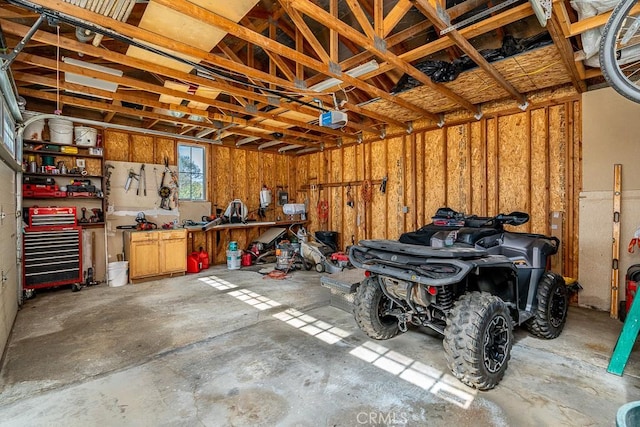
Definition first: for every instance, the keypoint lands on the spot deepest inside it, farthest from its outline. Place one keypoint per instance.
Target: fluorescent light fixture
(358, 71)
(289, 147)
(308, 150)
(269, 144)
(204, 132)
(91, 81)
(247, 140)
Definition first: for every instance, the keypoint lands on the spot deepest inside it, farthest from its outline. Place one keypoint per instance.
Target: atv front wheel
(553, 302)
(478, 339)
(369, 307)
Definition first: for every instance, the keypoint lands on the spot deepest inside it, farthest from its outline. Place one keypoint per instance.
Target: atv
(468, 279)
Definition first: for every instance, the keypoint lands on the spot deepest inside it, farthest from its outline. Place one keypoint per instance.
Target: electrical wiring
(223, 75)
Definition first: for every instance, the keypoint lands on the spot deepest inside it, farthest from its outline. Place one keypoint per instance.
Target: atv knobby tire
(551, 313)
(478, 339)
(368, 306)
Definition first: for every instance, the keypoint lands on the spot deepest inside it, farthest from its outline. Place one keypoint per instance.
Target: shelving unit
(38, 191)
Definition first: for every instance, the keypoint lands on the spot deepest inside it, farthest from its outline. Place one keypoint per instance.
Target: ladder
(626, 340)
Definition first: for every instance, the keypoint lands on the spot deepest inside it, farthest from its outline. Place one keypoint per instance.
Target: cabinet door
(143, 255)
(173, 251)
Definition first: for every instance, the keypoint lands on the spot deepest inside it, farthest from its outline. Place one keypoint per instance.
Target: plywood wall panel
(165, 148)
(143, 149)
(410, 199)
(395, 187)
(557, 153)
(435, 171)
(493, 199)
(478, 168)
(421, 217)
(458, 168)
(539, 211)
(379, 170)
(513, 152)
(116, 146)
(221, 177)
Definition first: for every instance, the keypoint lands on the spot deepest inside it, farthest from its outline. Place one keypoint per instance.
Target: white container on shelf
(34, 129)
(118, 273)
(85, 136)
(61, 131)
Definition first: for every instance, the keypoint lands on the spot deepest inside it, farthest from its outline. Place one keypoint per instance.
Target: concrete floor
(230, 348)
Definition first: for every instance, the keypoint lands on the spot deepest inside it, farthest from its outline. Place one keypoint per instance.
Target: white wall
(610, 135)
(8, 257)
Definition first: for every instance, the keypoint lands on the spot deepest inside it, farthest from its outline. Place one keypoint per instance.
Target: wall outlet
(405, 209)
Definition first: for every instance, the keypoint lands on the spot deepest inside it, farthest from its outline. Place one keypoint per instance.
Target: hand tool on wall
(163, 190)
(383, 186)
(84, 216)
(349, 197)
(131, 177)
(142, 181)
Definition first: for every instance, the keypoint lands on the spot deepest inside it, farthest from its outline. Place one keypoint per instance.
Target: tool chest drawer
(52, 256)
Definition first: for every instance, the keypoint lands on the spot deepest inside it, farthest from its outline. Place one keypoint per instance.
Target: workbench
(215, 240)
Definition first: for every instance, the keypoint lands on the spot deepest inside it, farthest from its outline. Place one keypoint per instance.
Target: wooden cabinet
(155, 253)
(173, 251)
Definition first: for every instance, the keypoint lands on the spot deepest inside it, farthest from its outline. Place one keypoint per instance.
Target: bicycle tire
(608, 54)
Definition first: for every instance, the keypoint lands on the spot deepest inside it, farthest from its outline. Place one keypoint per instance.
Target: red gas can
(246, 259)
(632, 279)
(193, 263)
(203, 257)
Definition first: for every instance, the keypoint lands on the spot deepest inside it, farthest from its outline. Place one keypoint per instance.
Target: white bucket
(118, 273)
(33, 130)
(233, 260)
(61, 131)
(85, 136)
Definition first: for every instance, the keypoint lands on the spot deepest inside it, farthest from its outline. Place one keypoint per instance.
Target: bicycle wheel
(620, 51)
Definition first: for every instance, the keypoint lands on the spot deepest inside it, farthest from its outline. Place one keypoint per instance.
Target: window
(191, 172)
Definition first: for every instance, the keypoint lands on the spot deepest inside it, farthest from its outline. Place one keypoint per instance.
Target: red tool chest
(52, 248)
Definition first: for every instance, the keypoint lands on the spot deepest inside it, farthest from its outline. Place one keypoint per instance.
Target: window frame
(191, 147)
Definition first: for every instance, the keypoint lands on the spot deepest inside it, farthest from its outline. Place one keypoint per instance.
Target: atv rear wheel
(478, 339)
(369, 306)
(553, 302)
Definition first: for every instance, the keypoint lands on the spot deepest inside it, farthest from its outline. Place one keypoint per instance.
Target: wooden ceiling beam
(231, 27)
(308, 34)
(158, 40)
(321, 15)
(208, 57)
(566, 52)
(334, 41)
(596, 21)
(361, 17)
(129, 82)
(430, 12)
(8, 26)
(394, 16)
